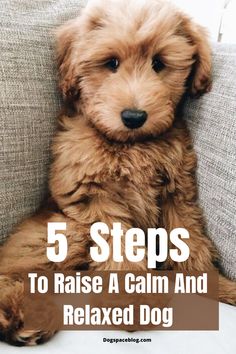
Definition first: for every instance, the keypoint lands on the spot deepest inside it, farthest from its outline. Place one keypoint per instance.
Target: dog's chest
(136, 165)
(90, 171)
(130, 175)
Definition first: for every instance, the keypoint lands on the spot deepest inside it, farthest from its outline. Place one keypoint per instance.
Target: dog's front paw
(11, 314)
(24, 337)
(12, 328)
(13, 332)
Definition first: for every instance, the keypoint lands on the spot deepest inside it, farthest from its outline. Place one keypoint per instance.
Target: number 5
(54, 237)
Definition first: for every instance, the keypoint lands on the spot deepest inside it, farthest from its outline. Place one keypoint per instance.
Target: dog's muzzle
(133, 118)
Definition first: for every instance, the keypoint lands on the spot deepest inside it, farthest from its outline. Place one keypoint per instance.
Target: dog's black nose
(133, 118)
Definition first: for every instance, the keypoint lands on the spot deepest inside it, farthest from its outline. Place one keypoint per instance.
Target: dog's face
(126, 65)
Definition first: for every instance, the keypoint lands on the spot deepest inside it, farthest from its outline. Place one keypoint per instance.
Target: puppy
(124, 155)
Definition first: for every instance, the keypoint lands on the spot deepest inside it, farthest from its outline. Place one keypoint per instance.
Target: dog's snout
(133, 118)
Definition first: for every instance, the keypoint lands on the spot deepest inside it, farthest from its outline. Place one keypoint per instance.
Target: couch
(30, 101)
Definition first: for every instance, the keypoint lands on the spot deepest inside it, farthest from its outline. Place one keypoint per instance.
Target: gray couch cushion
(29, 101)
(212, 121)
(29, 105)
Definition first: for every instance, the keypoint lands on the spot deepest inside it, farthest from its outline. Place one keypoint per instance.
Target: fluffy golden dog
(124, 155)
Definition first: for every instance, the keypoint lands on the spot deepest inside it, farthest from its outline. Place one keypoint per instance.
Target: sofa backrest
(30, 102)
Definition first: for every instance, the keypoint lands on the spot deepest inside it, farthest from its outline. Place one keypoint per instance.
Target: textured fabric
(212, 121)
(29, 101)
(29, 104)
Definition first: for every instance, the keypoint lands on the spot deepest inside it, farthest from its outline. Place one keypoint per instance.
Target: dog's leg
(25, 251)
(180, 209)
(227, 290)
(202, 251)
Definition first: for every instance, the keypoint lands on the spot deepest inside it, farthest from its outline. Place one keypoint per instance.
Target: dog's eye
(112, 64)
(157, 64)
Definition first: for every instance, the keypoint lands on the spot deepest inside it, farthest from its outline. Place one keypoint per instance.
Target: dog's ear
(200, 78)
(68, 78)
(68, 38)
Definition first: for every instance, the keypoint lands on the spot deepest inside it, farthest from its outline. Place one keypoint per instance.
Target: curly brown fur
(103, 171)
